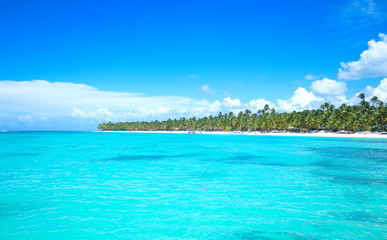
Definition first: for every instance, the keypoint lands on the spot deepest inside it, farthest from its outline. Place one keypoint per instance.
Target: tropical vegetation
(366, 116)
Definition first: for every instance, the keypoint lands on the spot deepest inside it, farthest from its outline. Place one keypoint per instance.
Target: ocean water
(58, 185)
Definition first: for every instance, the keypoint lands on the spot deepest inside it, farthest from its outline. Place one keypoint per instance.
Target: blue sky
(200, 51)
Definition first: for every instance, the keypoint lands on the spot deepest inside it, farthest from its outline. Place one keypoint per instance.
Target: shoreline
(288, 134)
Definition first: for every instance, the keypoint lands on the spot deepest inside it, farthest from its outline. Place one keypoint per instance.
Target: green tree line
(366, 116)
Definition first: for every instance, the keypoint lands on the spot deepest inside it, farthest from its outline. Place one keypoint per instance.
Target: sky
(69, 65)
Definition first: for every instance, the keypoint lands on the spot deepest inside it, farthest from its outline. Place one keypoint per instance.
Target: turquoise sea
(79, 185)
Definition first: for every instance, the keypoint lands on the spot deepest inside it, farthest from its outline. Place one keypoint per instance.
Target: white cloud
(100, 114)
(145, 112)
(258, 104)
(372, 62)
(206, 88)
(104, 112)
(337, 100)
(303, 98)
(64, 105)
(57, 99)
(229, 102)
(379, 91)
(300, 100)
(363, 7)
(41, 101)
(359, 13)
(215, 106)
(285, 106)
(26, 117)
(329, 87)
(311, 77)
(81, 114)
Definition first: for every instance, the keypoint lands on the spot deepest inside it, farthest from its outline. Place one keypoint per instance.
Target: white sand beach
(256, 133)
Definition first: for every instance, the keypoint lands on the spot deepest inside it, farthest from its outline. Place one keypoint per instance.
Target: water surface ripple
(56, 185)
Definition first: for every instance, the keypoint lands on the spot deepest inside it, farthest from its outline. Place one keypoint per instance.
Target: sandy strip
(318, 134)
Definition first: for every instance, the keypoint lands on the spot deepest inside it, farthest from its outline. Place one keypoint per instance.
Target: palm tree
(266, 108)
(362, 97)
(379, 111)
(365, 116)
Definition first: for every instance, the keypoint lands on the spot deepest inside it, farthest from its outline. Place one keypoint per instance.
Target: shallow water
(58, 185)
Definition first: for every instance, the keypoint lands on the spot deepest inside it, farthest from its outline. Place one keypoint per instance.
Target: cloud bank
(45, 105)
(300, 100)
(372, 62)
(380, 91)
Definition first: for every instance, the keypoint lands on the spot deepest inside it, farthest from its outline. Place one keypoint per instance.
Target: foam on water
(57, 185)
